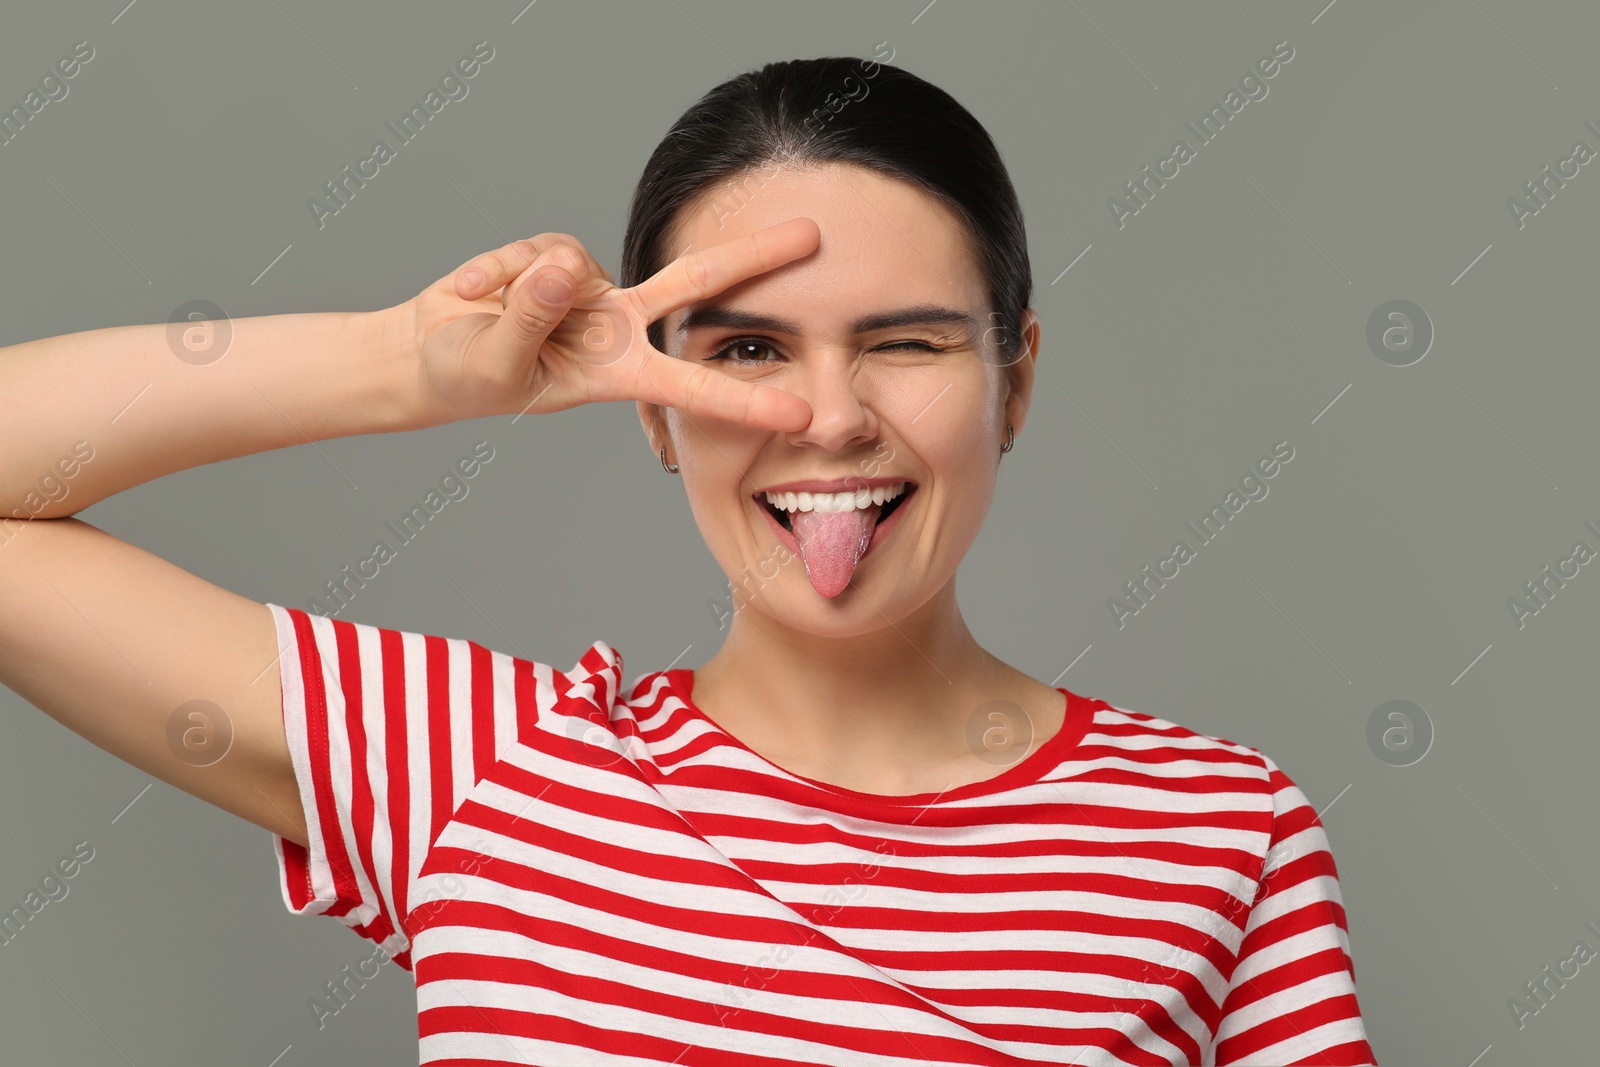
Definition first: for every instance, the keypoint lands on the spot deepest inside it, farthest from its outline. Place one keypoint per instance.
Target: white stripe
(459, 663)
(1290, 949)
(377, 771)
(294, 704)
(419, 785)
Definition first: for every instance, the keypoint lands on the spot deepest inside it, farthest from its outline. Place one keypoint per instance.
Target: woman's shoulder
(1159, 738)
(418, 657)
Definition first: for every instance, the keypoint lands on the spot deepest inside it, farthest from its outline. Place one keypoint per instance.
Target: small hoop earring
(670, 468)
(1011, 439)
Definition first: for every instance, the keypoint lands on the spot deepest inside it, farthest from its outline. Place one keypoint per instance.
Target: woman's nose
(841, 400)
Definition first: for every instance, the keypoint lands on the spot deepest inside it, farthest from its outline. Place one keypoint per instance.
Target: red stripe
(484, 740)
(333, 841)
(362, 810)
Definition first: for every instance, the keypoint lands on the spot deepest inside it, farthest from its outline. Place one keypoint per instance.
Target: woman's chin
(869, 604)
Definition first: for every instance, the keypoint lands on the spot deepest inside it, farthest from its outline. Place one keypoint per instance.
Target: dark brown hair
(838, 109)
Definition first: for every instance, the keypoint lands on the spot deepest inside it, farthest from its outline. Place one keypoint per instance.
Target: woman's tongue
(831, 544)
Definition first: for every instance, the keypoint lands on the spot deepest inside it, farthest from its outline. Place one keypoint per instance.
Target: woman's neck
(889, 711)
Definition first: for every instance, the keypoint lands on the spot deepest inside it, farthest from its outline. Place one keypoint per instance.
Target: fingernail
(472, 278)
(551, 289)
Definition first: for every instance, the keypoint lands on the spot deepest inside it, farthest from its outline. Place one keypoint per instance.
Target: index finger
(697, 275)
(699, 390)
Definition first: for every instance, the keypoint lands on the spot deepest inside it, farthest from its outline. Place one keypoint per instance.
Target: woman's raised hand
(539, 326)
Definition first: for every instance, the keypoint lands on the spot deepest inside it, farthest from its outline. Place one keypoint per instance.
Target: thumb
(539, 305)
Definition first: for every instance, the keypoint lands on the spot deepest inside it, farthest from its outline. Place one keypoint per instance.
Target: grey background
(1226, 316)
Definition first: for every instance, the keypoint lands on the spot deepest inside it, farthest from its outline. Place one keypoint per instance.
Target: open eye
(745, 343)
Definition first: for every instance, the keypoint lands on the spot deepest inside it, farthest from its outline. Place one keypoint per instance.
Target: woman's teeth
(826, 502)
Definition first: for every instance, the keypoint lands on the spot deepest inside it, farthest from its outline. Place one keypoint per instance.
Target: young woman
(853, 836)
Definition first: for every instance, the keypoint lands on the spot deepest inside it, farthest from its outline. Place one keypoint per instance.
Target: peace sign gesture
(499, 336)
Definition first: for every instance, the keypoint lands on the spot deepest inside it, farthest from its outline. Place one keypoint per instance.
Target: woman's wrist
(392, 363)
(404, 400)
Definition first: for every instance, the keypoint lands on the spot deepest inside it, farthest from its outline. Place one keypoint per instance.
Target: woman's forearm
(143, 401)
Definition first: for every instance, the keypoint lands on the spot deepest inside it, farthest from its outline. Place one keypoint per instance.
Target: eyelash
(722, 353)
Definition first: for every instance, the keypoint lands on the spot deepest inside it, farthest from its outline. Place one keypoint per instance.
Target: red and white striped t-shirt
(581, 873)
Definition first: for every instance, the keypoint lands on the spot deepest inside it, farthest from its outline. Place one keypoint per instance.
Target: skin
(872, 690)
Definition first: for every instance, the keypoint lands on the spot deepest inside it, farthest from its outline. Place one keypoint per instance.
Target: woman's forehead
(866, 218)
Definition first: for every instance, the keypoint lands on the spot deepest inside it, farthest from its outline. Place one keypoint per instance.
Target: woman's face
(921, 402)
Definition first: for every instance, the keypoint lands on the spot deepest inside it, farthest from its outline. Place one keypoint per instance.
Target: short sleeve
(1291, 998)
(388, 731)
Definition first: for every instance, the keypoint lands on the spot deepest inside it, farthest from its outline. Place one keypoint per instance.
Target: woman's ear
(1019, 374)
(655, 428)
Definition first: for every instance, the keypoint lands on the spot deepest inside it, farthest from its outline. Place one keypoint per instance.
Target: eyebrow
(919, 315)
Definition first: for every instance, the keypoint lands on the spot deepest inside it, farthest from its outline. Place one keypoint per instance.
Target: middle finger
(697, 275)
